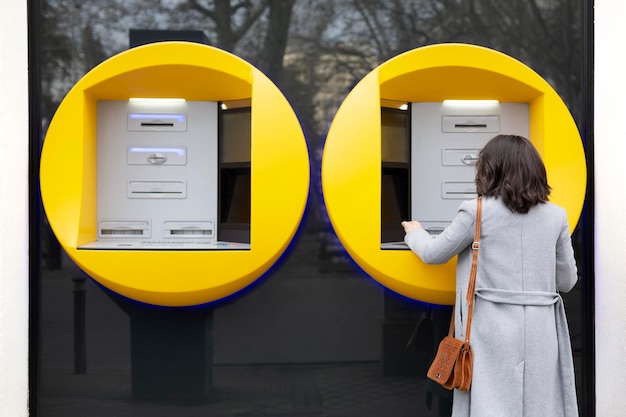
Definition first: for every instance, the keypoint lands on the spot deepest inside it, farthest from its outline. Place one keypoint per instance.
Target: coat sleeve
(456, 237)
(566, 271)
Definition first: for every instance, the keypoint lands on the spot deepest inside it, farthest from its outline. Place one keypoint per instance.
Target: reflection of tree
(232, 20)
(271, 60)
(315, 51)
(541, 33)
(69, 48)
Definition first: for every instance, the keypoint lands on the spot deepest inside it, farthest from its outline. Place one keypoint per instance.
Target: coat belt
(529, 298)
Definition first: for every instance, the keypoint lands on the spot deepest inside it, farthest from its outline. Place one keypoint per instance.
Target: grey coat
(523, 364)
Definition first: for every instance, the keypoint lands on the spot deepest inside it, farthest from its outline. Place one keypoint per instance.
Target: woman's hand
(408, 226)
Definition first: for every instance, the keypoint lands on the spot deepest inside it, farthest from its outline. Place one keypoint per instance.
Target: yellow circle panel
(351, 166)
(279, 173)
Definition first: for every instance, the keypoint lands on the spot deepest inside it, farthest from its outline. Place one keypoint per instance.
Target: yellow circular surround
(279, 173)
(351, 166)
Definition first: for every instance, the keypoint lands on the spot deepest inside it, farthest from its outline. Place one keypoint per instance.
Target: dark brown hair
(509, 167)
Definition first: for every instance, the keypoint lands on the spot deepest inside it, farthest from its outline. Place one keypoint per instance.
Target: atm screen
(395, 179)
(235, 171)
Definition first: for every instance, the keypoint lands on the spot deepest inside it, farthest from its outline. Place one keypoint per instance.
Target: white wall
(610, 203)
(13, 209)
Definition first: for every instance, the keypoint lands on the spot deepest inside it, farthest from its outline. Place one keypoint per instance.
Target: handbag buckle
(475, 245)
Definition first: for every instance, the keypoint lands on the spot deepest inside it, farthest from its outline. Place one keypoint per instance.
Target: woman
(522, 353)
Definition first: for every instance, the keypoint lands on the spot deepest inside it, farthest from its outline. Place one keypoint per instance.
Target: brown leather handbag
(452, 366)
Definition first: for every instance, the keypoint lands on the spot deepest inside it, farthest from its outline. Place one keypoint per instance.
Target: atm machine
(446, 139)
(429, 155)
(158, 176)
(152, 197)
(413, 153)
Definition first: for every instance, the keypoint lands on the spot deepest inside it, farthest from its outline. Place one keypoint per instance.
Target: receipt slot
(174, 174)
(413, 128)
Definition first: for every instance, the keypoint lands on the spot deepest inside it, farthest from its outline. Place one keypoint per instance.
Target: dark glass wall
(315, 336)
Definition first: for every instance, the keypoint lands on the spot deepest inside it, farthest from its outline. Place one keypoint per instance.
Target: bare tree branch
(204, 10)
(222, 14)
(253, 14)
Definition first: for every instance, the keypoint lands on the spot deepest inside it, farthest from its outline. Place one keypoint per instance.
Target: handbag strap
(471, 286)
(472, 280)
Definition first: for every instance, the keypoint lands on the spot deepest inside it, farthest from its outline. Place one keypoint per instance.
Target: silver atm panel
(157, 175)
(445, 141)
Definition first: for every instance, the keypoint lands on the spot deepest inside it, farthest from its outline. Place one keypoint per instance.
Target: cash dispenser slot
(157, 189)
(189, 230)
(149, 122)
(124, 229)
(465, 124)
(458, 190)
